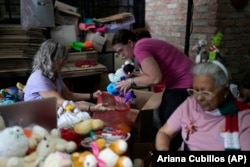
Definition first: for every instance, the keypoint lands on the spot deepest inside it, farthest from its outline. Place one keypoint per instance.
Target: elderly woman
(210, 119)
(45, 80)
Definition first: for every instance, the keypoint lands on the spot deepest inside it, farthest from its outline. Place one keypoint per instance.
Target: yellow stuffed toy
(85, 126)
(101, 156)
(113, 155)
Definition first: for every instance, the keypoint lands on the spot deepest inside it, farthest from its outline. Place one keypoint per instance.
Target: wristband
(132, 82)
(91, 96)
(89, 111)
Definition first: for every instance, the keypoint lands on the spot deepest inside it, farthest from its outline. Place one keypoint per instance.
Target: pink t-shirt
(209, 126)
(175, 66)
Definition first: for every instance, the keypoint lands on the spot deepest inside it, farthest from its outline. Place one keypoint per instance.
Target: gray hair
(49, 53)
(216, 70)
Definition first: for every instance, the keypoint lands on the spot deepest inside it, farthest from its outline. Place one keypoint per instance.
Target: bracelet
(89, 111)
(91, 96)
(132, 82)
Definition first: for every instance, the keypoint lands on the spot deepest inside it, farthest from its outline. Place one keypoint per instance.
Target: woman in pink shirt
(159, 61)
(211, 118)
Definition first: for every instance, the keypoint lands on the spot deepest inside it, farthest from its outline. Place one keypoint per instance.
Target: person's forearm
(85, 106)
(144, 80)
(162, 141)
(81, 96)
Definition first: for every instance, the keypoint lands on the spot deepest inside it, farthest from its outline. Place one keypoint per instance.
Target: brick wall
(166, 19)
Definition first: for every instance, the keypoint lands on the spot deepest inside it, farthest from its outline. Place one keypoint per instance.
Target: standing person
(46, 81)
(211, 119)
(158, 61)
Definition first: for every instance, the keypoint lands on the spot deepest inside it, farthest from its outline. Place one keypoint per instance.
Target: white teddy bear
(13, 143)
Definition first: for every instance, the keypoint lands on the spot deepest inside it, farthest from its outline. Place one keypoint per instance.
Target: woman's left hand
(123, 85)
(96, 94)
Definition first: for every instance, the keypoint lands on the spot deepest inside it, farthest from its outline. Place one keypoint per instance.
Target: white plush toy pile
(17, 149)
(41, 148)
(69, 115)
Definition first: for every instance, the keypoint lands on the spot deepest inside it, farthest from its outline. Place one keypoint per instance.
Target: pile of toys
(12, 94)
(211, 52)
(121, 74)
(37, 146)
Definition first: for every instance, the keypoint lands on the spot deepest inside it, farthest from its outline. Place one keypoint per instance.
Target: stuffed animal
(35, 134)
(13, 143)
(13, 162)
(84, 159)
(69, 115)
(87, 158)
(214, 52)
(49, 144)
(57, 159)
(201, 51)
(84, 127)
(102, 155)
(109, 156)
(122, 73)
(2, 123)
(113, 155)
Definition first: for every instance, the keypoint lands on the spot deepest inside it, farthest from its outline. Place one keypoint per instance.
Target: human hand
(96, 94)
(123, 85)
(101, 108)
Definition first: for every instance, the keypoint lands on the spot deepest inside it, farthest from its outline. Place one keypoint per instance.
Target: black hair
(123, 36)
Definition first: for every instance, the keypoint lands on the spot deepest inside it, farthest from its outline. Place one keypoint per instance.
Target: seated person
(209, 118)
(46, 81)
(245, 88)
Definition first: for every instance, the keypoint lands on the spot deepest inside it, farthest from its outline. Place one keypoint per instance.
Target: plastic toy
(79, 46)
(129, 97)
(12, 94)
(111, 88)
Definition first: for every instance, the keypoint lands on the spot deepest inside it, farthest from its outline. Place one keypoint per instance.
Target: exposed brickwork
(166, 20)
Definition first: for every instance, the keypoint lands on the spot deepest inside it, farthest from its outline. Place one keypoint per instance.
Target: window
(10, 9)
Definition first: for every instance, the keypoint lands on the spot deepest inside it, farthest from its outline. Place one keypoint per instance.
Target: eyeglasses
(205, 94)
(120, 51)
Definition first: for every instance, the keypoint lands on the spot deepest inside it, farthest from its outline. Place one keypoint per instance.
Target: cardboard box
(141, 115)
(66, 14)
(64, 34)
(97, 40)
(108, 45)
(84, 55)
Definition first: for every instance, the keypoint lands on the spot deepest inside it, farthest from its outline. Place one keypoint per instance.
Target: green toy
(79, 46)
(213, 49)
